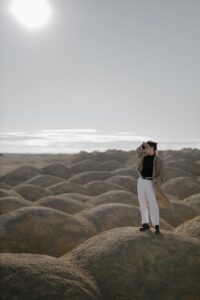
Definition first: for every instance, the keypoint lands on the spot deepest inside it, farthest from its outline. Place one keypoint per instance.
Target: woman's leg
(153, 204)
(142, 197)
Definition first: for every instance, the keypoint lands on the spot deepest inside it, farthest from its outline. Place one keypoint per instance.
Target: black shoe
(145, 226)
(157, 229)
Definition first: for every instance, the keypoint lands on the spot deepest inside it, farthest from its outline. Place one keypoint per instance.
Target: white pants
(147, 197)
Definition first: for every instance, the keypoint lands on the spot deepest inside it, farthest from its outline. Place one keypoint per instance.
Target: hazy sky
(120, 65)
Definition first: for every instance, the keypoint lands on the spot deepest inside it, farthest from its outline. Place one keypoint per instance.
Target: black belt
(148, 178)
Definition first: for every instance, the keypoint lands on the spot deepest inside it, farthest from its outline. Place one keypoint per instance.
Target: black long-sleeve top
(147, 169)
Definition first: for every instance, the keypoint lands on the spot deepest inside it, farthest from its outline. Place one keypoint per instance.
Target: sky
(109, 66)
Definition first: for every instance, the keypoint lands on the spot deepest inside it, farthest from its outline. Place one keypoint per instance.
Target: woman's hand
(144, 145)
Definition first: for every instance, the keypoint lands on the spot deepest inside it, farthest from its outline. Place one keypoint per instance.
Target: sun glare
(33, 14)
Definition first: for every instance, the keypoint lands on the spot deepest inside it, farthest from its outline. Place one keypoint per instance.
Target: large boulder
(115, 196)
(11, 203)
(31, 276)
(68, 187)
(126, 171)
(19, 175)
(182, 187)
(78, 196)
(173, 172)
(97, 187)
(44, 180)
(32, 192)
(111, 215)
(41, 230)
(140, 265)
(101, 157)
(62, 203)
(172, 197)
(182, 154)
(178, 213)
(111, 154)
(193, 201)
(85, 165)
(111, 165)
(128, 182)
(185, 164)
(7, 193)
(190, 228)
(4, 186)
(85, 177)
(56, 169)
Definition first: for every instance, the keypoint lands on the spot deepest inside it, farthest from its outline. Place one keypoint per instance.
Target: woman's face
(149, 150)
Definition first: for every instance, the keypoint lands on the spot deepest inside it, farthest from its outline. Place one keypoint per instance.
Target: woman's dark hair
(152, 144)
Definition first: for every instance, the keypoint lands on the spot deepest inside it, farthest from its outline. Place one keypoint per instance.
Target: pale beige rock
(78, 196)
(56, 169)
(181, 187)
(62, 203)
(11, 203)
(85, 177)
(127, 171)
(7, 193)
(190, 228)
(185, 164)
(44, 180)
(41, 230)
(173, 172)
(98, 187)
(19, 175)
(41, 277)
(115, 196)
(193, 201)
(111, 215)
(178, 213)
(128, 182)
(68, 187)
(32, 192)
(4, 186)
(127, 262)
(111, 165)
(85, 166)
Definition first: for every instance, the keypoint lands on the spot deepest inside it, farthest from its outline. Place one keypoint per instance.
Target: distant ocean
(76, 140)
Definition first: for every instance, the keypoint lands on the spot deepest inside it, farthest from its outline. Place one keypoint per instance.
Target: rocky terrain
(69, 228)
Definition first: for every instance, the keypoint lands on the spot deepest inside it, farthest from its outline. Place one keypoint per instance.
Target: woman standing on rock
(151, 170)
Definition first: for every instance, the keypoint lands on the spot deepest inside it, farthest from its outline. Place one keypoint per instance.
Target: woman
(151, 170)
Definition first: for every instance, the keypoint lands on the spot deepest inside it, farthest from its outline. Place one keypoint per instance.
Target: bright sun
(33, 14)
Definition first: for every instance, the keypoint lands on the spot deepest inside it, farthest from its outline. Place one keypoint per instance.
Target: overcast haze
(124, 66)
